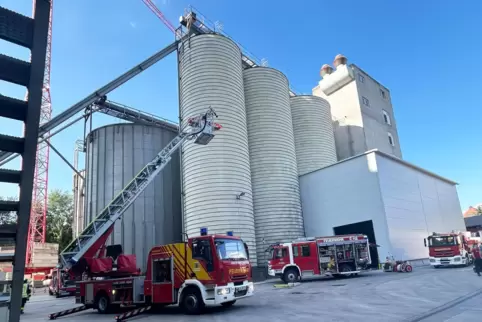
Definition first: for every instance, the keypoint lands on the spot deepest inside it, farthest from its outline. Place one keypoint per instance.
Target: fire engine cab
(450, 249)
(319, 256)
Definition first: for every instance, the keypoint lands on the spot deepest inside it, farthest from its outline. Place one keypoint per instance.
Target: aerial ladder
(200, 129)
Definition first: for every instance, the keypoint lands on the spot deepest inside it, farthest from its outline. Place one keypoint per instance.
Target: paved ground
(426, 295)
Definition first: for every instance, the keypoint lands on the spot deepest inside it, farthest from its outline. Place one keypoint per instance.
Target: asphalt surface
(425, 295)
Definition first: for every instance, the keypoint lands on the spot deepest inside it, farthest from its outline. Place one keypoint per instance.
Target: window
(281, 253)
(365, 101)
(295, 251)
(230, 249)
(305, 251)
(161, 271)
(390, 139)
(383, 94)
(201, 251)
(386, 118)
(361, 78)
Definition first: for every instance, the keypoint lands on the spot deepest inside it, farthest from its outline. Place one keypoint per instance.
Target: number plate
(241, 288)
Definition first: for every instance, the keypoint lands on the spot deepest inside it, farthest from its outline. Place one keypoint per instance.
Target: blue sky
(426, 52)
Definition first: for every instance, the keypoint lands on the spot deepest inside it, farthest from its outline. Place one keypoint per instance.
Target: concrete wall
(416, 204)
(347, 120)
(358, 127)
(375, 127)
(342, 194)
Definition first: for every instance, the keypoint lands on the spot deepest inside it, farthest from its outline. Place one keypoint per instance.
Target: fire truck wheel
(102, 303)
(291, 275)
(408, 268)
(192, 302)
(228, 304)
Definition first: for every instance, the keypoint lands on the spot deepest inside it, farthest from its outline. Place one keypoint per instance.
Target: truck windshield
(230, 249)
(442, 241)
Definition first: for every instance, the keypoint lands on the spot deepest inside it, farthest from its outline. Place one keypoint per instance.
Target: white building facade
(404, 203)
(361, 107)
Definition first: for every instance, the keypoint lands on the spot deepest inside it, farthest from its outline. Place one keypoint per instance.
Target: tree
(479, 210)
(8, 217)
(59, 218)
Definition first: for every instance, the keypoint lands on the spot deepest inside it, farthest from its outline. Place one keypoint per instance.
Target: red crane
(38, 213)
(159, 14)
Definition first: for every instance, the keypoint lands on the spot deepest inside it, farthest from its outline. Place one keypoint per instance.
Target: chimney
(339, 60)
(325, 70)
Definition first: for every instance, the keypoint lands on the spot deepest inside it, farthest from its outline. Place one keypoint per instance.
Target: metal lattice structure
(38, 213)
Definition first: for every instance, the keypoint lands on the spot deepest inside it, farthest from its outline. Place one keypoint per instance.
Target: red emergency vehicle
(319, 256)
(206, 270)
(450, 249)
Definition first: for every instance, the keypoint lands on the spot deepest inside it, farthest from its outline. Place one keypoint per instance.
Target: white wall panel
(416, 204)
(342, 194)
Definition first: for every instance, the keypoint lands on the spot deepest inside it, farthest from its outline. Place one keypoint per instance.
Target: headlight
(223, 291)
(432, 261)
(251, 288)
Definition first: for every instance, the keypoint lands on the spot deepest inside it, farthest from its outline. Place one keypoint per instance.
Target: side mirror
(425, 242)
(247, 249)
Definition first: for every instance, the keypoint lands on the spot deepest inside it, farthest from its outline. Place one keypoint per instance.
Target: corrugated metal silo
(313, 129)
(274, 176)
(216, 177)
(115, 154)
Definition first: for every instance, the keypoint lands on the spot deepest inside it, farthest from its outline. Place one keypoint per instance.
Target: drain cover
(338, 285)
(297, 293)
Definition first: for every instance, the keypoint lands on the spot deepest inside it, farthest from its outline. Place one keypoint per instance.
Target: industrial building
(363, 117)
(282, 167)
(395, 203)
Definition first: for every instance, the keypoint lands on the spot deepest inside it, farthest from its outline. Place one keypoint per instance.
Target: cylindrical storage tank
(313, 129)
(274, 176)
(216, 178)
(115, 154)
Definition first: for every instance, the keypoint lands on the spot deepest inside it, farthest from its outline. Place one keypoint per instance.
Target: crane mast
(38, 212)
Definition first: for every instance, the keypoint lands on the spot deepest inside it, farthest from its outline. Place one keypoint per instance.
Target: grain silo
(274, 175)
(115, 154)
(313, 130)
(216, 177)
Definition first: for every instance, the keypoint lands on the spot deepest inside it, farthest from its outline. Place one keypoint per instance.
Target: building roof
(473, 221)
(393, 158)
(470, 212)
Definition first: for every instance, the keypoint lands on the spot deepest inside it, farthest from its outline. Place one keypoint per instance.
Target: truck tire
(291, 275)
(228, 304)
(345, 268)
(192, 302)
(102, 303)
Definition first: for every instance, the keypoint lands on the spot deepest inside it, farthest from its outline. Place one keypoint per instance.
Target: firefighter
(26, 293)
(477, 258)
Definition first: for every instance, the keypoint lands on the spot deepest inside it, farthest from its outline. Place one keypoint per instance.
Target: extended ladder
(201, 130)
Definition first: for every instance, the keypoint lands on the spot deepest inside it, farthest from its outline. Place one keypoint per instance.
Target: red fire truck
(450, 249)
(319, 256)
(205, 270)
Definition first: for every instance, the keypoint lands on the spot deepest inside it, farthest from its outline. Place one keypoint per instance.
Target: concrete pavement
(375, 296)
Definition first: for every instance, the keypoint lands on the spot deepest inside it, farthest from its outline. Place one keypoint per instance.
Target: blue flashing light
(204, 231)
(229, 233)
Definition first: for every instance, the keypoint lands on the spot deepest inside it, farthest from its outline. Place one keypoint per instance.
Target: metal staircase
(32, 34)
(201, 129)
